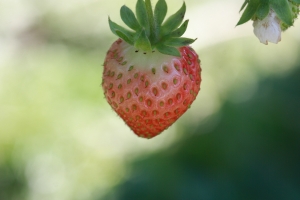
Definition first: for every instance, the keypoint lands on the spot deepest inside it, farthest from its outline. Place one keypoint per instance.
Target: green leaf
(249, 11)
(283, 11)
(263, 10)
(143, 42)
(160, 11)
(129, 18)
(244, 4)
(174, 20)
(180, 31)
(142, 16)
(179, 42)
(125, 37)
(296, 1)
(172, 51)
(115, 27)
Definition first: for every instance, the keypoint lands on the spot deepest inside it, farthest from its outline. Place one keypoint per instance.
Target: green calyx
(150, 30)
(286, 10)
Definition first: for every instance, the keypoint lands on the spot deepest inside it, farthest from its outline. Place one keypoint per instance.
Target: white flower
(268, 29)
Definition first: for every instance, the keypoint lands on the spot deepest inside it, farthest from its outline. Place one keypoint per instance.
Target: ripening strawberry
(151, 76)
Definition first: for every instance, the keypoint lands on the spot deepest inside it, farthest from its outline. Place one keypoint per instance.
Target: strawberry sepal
(168, 50)
(150, 28)
(143, 42)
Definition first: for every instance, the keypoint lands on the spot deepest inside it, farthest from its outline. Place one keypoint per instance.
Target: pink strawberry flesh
(150, 91)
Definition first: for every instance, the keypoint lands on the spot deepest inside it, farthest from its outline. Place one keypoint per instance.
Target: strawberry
(151, 76)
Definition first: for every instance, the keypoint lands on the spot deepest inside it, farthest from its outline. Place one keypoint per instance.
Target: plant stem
(149, 10)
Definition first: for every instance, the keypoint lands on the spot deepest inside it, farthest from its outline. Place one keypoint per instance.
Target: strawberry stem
(149, 10)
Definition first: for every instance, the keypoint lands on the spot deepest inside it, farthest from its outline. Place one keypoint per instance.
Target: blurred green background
(60, 140)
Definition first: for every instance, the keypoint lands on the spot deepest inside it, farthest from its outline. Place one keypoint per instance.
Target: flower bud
(268, 29)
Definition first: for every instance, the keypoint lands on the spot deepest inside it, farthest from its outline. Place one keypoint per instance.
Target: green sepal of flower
(286, 10)
(149, 30)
